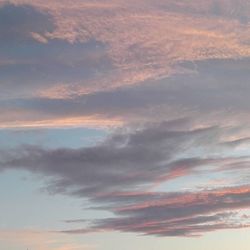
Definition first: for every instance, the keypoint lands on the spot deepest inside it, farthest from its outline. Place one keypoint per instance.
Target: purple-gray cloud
(218, 89)
(121, 162)
(18, 22)
(177, 214)
(126, 48)
(187, 88)
(118, 174)
(32, 62)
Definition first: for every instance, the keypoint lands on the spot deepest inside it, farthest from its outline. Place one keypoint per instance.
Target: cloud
(123, 160)
(120, 174)
(179, 70)
(128, 159)
(33, 63)
(136, 40)
(78, 65)
(19, 22)
(216, 92)
(48, 64)
(177, 214)
(230, 9)
(237, 142)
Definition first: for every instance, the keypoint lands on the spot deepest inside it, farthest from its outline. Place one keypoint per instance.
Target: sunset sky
(125, 125)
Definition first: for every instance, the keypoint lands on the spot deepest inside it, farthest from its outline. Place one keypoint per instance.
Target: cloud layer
(216, 94)
(120, 174)
(171, 76)
(179, 214)
(137, 41)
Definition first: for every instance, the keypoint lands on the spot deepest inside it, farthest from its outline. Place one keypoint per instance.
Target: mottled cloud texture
(170, 79)
(79, 58)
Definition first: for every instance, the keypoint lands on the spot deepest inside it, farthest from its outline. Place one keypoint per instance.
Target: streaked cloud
(178, 214)
(216, 92)
(168, 79)
(120, 174)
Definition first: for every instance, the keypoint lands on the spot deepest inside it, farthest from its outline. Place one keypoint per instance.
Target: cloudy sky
(125, 124)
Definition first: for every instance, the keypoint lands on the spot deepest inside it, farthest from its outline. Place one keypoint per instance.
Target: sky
(124, 124)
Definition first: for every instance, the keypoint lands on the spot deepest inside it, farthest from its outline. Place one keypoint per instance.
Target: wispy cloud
(217, 93)
(177, 214)
(170, 76)
(115, 174)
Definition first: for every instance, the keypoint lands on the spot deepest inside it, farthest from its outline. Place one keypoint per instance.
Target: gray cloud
(51, 63)
(17, 22)
(31, 61)
(121, 162)
(128, 51)
(126, 160)
(178, 214)
(238, 142)
(118, 174)
(219, 87)
(231, 9)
